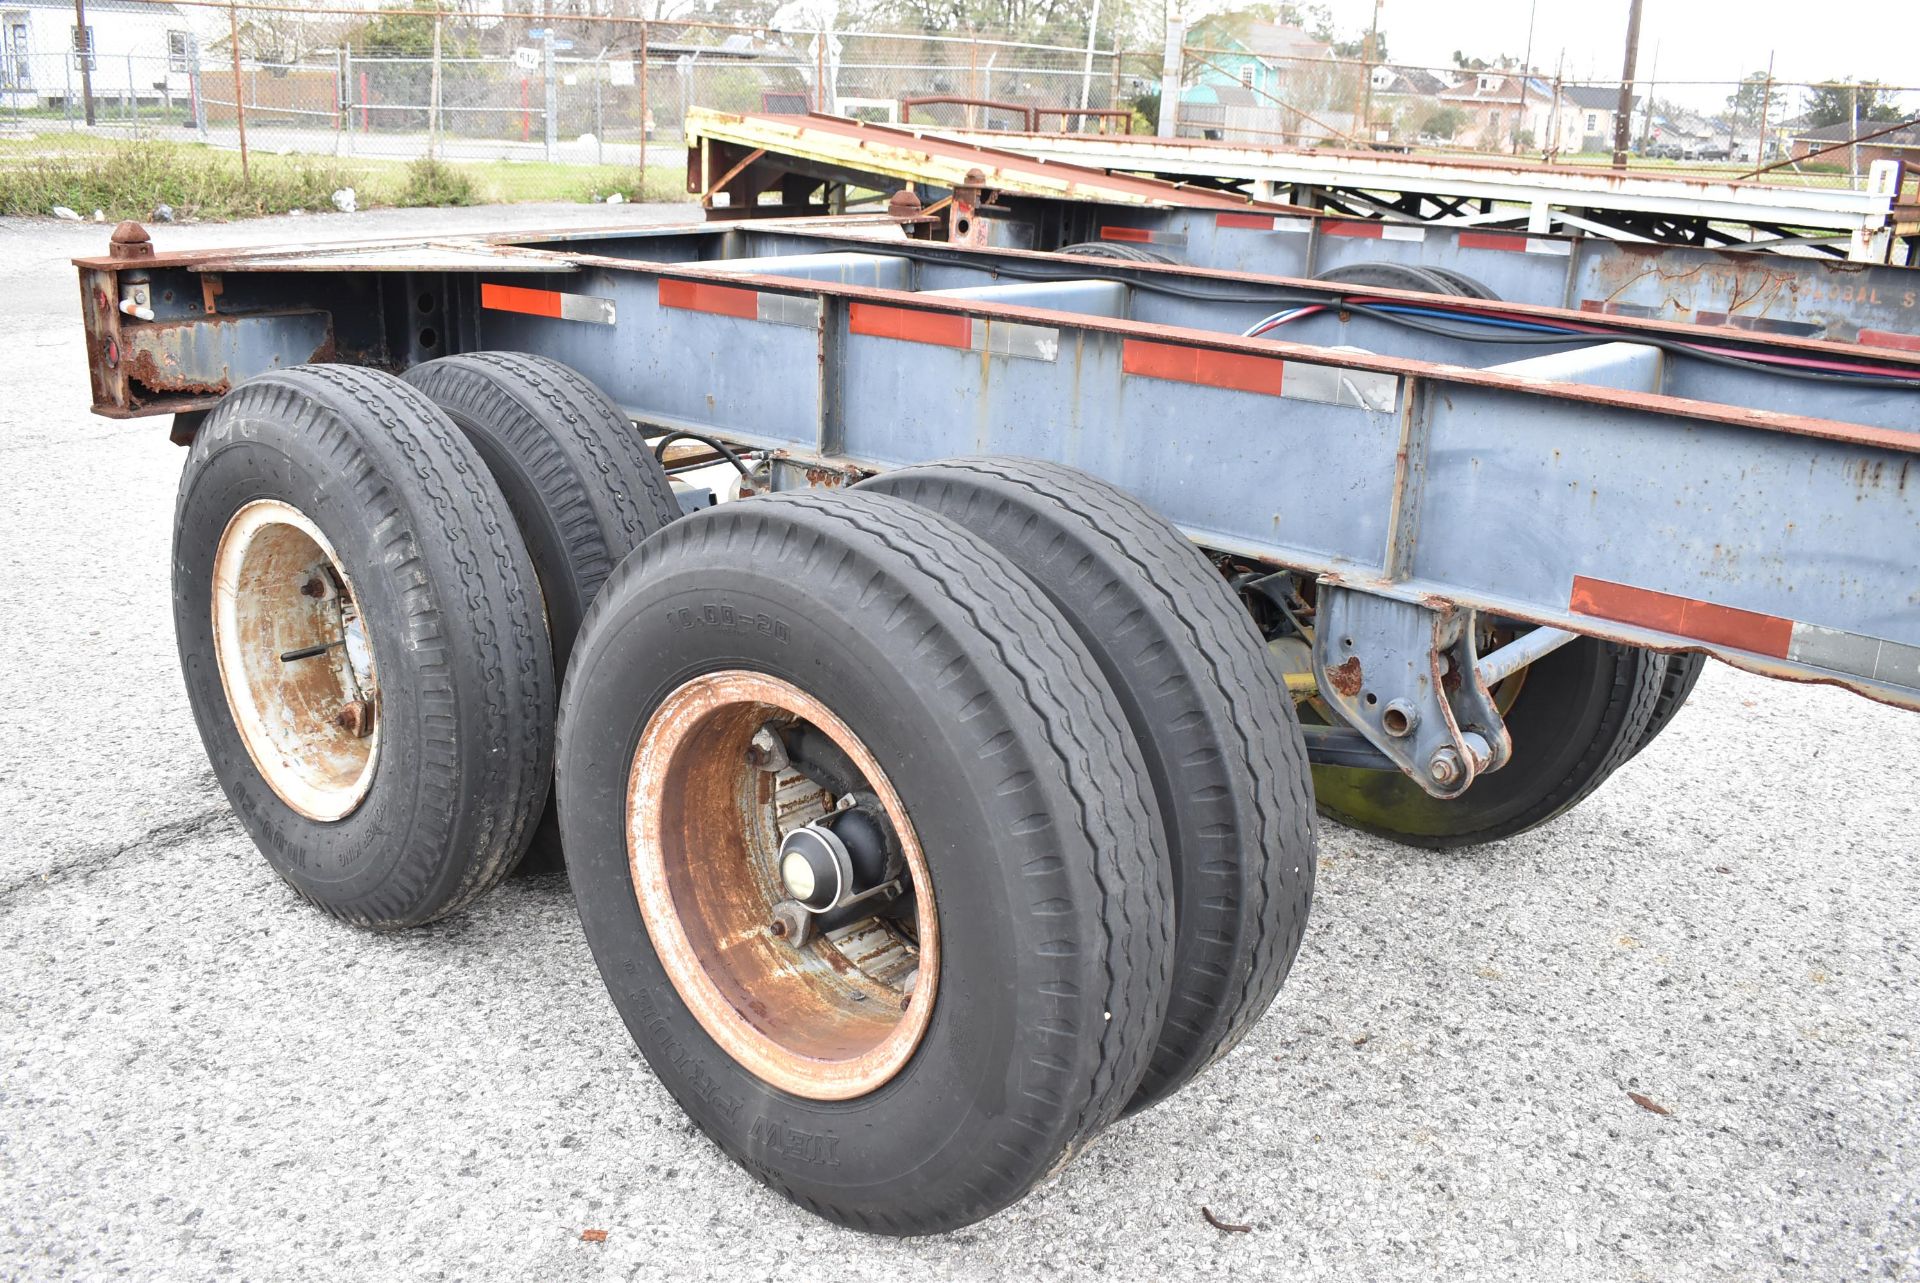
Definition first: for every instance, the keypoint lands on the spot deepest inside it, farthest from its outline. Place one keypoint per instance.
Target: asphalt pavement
(202, 1078)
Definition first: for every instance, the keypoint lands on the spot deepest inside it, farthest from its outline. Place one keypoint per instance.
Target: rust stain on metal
(356, 718)
(801, 1019)
(1346, 677)
(158, 371)
(130, 240)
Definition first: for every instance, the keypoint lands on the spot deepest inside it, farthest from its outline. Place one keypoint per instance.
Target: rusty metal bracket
(1405, 676)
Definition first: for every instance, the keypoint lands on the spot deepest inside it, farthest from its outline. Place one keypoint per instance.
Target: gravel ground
(201, 1078)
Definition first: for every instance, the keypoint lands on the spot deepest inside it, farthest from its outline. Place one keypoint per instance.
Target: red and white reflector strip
(1141, 236)
(950, 329)
(1854, 654)
(749, 305)
(1268, 375)
(553, 303)
(1262, 223)
(1515, 243)
(1373, 230)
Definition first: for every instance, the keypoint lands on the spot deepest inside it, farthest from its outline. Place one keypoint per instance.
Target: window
(1246, 75)
(18, 70)
(180, 51)
(83, 47)
(1493, 121)
(1593, 122)
(1489, 84)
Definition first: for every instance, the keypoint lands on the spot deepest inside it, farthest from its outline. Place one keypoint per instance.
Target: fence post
(239, 107)
(1766, 101)
(973, 75)
(553, 97)
(1086, 72)
(341, 125)
(1172, 69)
(646, 38)
(433, 106)
(133, 101)
(1853, 131)
(66, 95)
(83, 42)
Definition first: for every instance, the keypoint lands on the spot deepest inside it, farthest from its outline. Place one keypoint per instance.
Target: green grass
(126, 180)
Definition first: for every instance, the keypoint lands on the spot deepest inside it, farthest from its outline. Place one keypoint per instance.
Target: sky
(1694, 39)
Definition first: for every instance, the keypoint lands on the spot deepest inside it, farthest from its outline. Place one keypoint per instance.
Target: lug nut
(1444, 767)
(791, 923)
(766, 752)
(356, 719)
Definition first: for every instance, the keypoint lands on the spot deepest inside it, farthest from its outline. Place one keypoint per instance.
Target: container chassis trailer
(948, 791)
(1878, 222)
(1009, 190)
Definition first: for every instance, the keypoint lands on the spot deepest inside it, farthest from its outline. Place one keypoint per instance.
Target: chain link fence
(592, 96)
(1816, 134)
(605, 99)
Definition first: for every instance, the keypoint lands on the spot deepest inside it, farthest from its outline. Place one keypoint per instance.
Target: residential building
(1902, 144)
(1500, 108)
(138, 51)
(1269, 59)
(1592, 108)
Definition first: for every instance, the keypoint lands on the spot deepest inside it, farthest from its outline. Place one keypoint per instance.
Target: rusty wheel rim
(310, 724)
(830, 1019)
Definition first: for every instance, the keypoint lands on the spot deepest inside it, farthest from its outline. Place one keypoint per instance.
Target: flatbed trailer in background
(1022, 192)
(952, 794)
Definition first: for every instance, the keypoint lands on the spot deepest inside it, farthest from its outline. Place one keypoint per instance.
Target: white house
(1593, 108)
(1498, 108)
(140, 50)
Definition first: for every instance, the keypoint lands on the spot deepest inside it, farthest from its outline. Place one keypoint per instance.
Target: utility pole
(1623, 109)
(83, 50)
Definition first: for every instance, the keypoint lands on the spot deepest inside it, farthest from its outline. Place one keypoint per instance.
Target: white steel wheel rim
(294, 716)
(702, 841)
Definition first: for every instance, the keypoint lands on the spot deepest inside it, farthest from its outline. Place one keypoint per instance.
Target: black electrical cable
(1285, 298)
(660, 447)
(1665, 345)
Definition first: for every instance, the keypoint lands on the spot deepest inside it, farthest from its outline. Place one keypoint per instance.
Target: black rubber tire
(1117, 251)
(1211, 715)
(1029, 799)
(1676, 683)
(578, 477)
(1406, 276)
(467, 690)
(1467, 286)
(1577, 719)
